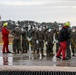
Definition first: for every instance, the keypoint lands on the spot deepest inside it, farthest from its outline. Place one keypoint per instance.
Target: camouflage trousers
(16, 45)
(49, 48)
(34, 48)
(41, 45)
(25, 45)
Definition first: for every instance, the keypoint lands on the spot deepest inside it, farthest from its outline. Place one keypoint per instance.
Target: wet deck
(34, 60)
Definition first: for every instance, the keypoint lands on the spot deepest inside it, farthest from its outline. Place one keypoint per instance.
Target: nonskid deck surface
(31, 62)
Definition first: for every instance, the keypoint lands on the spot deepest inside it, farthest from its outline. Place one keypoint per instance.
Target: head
(29, 27)
(26, 28)
(43, 27)
(40, 29)
(73, 29)
(5, 24)
(49, 30)
(67, 24)
(60, 27)
(22, 29)
(50, 27)
(17, 27)
(36, 28)
(33, 27)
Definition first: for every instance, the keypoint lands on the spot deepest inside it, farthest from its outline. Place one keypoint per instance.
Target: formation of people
(40, 39)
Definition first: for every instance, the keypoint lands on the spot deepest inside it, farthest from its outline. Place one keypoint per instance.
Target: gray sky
(39, 10)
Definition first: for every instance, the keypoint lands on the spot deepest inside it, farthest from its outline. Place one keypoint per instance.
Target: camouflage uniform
(37, 42)
(68, 51)
(34, 38)
(40, 40)
(24, 41)
(72, 44)
(29, 35)
(49, 38)
(57, 38)
(17, 40)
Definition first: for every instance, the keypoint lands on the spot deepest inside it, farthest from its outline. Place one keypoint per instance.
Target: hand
(27, 38)
(56, 41)
(30, 39)
(9, 31)
(46, 42)
(37, 41)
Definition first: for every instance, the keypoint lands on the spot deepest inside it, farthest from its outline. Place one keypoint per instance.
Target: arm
(5, 31)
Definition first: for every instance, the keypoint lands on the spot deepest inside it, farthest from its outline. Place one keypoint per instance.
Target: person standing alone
(5, 33)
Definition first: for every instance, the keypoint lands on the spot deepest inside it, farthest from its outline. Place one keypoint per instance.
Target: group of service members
(39, 39)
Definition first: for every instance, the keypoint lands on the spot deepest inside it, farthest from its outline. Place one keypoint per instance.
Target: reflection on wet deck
(33, 60)
(23, 59)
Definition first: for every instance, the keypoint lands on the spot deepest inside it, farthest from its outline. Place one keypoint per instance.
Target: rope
(73, 43)
(30, 43)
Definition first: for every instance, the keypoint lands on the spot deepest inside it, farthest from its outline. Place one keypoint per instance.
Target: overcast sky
(39, 10)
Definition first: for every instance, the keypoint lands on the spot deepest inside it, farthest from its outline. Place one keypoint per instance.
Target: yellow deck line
(2, 43)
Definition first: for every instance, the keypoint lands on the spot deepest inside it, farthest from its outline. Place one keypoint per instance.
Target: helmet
(5, 24)
(67, 24)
